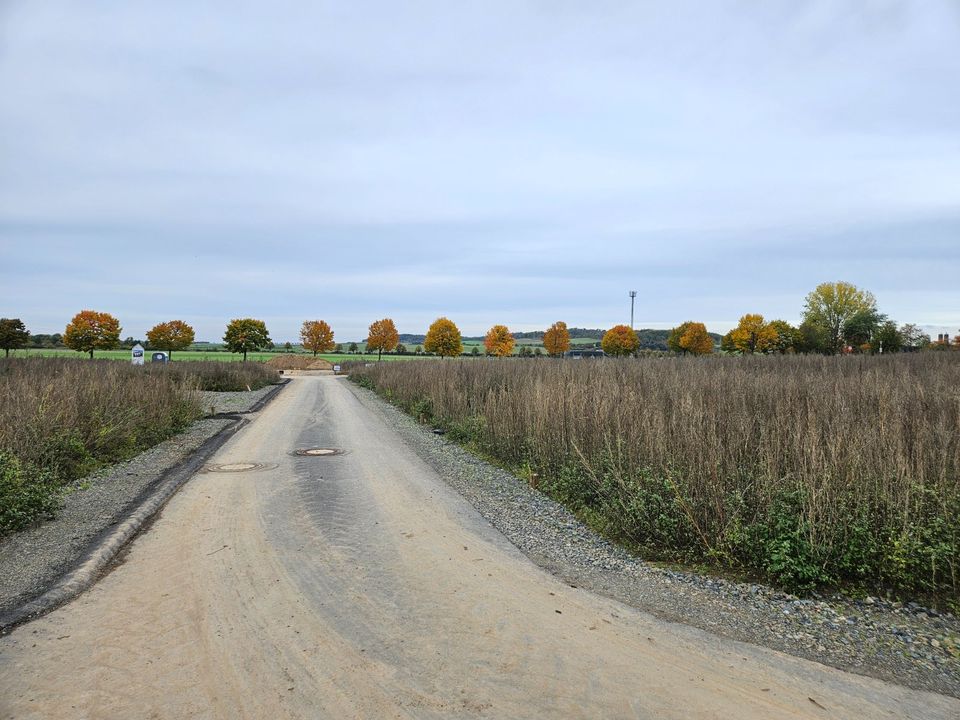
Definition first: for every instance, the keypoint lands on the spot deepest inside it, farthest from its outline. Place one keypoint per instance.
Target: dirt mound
(298, 362)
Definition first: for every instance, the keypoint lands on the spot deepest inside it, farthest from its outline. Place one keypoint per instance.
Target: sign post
(136, 354)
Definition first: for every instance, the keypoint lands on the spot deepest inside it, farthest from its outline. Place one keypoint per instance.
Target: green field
(202, 355)
(216, 351)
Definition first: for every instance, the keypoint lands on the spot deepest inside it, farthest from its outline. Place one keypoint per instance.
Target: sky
(494, 162)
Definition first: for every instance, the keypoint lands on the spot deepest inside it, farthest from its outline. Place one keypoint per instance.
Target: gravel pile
(907, 644)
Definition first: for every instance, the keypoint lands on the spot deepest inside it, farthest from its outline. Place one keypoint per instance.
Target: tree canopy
(557, 339)
(246, 335)
(499, 342)
(91, 330)
(382, 336)
(317, 336)
(690, 337)
(170, 336)
(620, 340)
(443, 338)
(753, 335)
(840, 313)
(13, 334)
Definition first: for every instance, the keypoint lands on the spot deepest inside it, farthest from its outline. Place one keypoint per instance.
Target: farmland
(807, 471)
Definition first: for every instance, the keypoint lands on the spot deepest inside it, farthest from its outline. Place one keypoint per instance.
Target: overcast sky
(495, 162)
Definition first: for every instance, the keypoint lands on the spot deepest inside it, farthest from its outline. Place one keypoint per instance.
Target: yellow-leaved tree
(557, 339)
(620, 340)
(499, 342)
(91, 330)
(443, 338)
(382, 336)
(170, 336)
(754, 335)
(316, 336)
(690, 337)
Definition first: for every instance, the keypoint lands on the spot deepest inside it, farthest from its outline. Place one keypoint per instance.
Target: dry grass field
(808, 471)
(62, 418)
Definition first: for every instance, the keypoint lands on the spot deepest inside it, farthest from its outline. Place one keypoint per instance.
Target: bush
(25, 495)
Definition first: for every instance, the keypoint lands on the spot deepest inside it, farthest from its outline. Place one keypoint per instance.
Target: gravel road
(911, 645)
(361, 585)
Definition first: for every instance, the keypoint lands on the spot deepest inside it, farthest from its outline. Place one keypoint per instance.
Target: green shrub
(26, 495)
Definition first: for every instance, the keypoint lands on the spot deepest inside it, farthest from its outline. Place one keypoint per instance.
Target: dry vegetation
(62, 418)
(809, 471)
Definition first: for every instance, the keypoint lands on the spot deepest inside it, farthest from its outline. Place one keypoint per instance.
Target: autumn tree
(789, 338)
(753, 335)
(620, 340)
(557, 339)
(690, 337)
(837, 309)
(499, 342)
(443, 338)
(246, 335)
(317, 336)
(382, 336)
(727, 344)
(13, 334)
(170, 336)
(91, 330)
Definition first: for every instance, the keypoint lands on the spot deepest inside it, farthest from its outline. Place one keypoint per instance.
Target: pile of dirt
(298, 362)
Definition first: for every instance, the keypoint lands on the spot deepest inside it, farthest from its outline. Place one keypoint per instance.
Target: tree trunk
(244, 355)
(379, 353)
(7, 351)
(91, 354)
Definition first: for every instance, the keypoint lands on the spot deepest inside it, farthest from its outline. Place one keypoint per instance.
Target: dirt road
(360, 586)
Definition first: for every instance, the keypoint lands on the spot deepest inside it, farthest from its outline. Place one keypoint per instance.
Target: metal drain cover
(317, 452)
(238, 467)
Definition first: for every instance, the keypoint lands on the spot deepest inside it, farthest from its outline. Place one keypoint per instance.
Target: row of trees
(90, 330)
(837, 317)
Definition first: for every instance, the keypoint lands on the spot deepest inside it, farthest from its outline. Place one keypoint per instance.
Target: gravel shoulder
(910, 645)
(235, 402)
(33, 560)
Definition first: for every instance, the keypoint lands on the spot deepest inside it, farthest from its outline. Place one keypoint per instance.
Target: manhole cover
(237, 467)
(317, 452)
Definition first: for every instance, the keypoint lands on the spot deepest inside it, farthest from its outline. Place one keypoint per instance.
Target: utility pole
(633, 294)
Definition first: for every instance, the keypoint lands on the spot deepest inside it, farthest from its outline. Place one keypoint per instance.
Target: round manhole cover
(237, 467)
(317, 452)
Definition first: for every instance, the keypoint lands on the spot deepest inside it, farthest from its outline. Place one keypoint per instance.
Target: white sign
(336, 368)
(136, 354)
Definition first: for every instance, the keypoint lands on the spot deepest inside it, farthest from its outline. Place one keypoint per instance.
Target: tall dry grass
(806, 470)
(61, 418)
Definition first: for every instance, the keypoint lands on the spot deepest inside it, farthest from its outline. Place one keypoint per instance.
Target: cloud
(504, 162)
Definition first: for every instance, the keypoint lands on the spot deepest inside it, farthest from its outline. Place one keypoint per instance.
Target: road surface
(360, 586)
